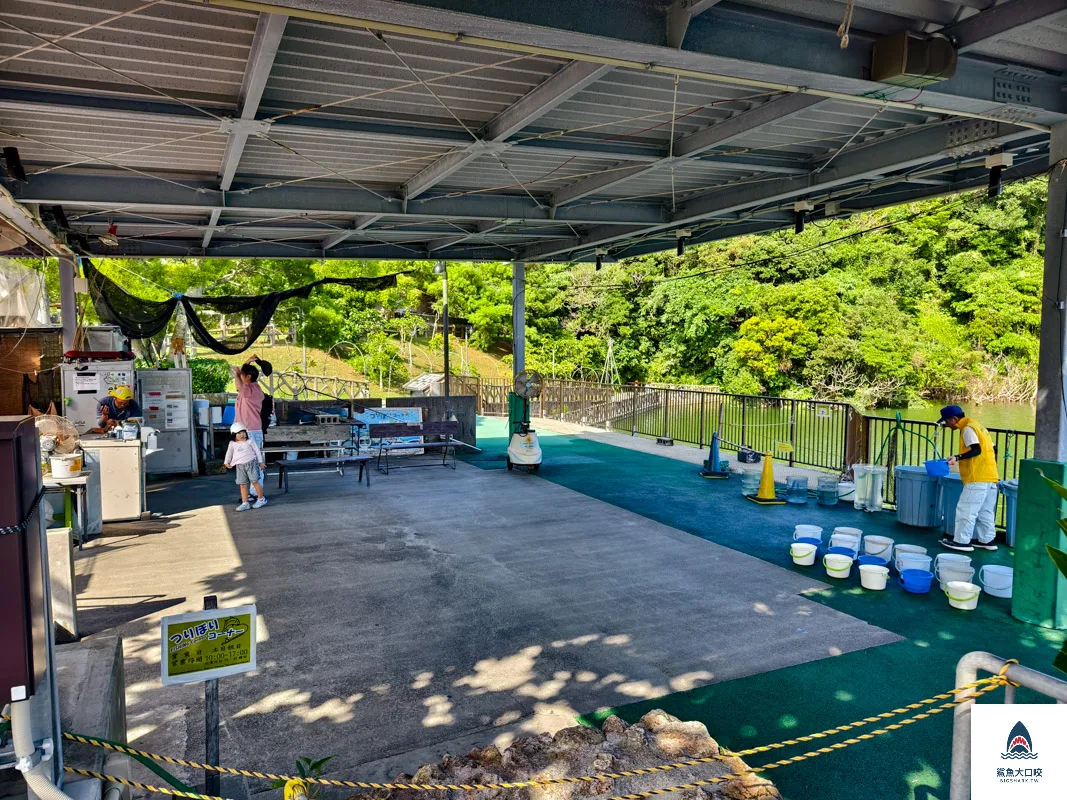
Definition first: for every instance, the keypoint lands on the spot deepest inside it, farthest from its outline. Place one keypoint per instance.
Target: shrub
(210, 375)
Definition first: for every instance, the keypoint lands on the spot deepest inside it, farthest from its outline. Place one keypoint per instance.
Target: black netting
(140, 319)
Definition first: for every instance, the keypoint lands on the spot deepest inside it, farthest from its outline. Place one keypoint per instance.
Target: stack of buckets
(916, 569)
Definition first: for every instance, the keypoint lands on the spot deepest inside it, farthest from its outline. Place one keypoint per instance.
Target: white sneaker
(243, 507)
(260, 503)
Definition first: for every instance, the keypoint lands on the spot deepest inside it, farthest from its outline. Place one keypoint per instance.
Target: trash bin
(1010, 490)
(870, 481)
(951, 489)
(918, 498)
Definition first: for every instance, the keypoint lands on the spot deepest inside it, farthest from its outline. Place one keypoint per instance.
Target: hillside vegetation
(936, 300)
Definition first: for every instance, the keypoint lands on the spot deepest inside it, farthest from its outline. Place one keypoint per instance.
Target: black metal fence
(810, 433)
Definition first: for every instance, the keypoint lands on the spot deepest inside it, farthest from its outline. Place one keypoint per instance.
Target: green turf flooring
(911, 764)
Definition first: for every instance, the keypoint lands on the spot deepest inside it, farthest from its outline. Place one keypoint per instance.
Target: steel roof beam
(996, 21)
(727, 40)
(360, 223)
(268, 36)
(692, 145)
(133, 110)
(679, 15)
(554, 90)
(480, 229)
(863, 162)
(121, 190)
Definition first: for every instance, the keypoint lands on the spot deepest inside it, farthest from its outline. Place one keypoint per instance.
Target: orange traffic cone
(766, 496)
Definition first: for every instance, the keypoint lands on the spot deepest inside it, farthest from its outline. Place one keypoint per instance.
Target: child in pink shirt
(244, 456)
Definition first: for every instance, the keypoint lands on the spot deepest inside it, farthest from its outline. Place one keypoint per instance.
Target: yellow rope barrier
(987, 684)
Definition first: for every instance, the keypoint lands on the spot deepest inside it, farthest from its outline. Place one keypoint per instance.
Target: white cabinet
(120, 465)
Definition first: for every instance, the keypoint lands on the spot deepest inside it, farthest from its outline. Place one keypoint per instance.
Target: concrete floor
(434, 612)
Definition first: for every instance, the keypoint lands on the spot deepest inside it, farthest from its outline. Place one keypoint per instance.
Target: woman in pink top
(249, 402)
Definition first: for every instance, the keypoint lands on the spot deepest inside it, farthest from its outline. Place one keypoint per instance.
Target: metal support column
(1050, 439)
(68, 304)
(518, 316)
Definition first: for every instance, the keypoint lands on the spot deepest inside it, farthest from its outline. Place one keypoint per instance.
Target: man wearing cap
(977, 461)
(116, 408)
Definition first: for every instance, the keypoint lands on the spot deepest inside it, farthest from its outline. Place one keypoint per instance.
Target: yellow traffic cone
(766, 496)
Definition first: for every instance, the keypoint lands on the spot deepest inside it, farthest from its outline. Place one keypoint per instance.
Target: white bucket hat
(237, 427)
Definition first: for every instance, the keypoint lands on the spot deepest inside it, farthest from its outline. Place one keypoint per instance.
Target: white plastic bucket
(837, 566)
(952, 567)
(953, 572)
(913, 561)
(216, 415)
(881, 546)
(803, 554)
(857, 532)
(846, 490)
(839, 539)
(66, 466)
(901, 549)
(873, 577)
(963, 595)
(996, 580)
(807, 532)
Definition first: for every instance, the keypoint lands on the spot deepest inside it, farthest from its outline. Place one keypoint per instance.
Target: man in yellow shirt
(977, 459)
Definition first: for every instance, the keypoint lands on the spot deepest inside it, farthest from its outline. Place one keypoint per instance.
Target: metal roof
(525, 131)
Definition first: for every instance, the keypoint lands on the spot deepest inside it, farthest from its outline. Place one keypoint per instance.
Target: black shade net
(240, 320)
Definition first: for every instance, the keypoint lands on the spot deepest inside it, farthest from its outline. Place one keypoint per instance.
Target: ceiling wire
(401, 87)
(102, 23)
(123, 75)
(320, 165)
(89, 157)
(670, 152)
(127, 152)
(851, 138)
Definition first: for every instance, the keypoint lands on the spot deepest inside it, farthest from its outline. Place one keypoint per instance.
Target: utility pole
(440, 268)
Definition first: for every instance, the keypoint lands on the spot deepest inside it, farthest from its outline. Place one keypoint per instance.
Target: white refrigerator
(166, 398)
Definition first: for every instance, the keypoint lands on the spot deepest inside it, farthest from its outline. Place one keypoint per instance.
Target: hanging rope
(846, 23)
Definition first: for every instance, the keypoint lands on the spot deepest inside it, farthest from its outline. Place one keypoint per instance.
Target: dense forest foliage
(938, 299)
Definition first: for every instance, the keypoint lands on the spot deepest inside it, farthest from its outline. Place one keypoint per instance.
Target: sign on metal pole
(204, 645)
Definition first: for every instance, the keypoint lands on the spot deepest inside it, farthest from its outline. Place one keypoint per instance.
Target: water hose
(898, 427)
(36, 775)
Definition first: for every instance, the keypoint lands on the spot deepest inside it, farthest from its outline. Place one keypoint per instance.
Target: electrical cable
(127, 152)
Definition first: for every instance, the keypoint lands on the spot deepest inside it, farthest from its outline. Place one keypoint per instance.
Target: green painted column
(1039, 593)
(516, 413)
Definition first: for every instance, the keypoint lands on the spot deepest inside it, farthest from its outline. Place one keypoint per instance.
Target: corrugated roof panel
(363, 160)
(193, 53)
(46, 140)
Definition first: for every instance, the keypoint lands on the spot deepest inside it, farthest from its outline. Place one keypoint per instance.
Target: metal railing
(800, 432)
(297, 385)
(810, 433)
(966, 673)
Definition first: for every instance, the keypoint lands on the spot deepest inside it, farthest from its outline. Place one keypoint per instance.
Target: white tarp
(23, 296)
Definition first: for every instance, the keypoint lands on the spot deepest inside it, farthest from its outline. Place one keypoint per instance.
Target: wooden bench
(286, 466)
(446, 429)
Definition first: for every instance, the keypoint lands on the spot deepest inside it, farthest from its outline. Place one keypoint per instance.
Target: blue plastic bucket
(937, 467)
(875, 560)
(809, 540)
(841, 551)
(916, 581)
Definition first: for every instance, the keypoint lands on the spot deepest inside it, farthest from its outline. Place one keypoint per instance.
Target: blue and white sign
(390, 416)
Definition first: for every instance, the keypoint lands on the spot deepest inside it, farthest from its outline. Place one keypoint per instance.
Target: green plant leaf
(1063, 525)
(1061, 659)
(1059, 488)
(278, 784)
(1059, 558)
(316, 766)
(301, 770)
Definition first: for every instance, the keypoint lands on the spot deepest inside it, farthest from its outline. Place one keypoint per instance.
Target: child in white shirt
(244, 456)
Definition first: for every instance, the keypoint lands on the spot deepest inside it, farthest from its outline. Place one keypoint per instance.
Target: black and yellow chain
(987, 685)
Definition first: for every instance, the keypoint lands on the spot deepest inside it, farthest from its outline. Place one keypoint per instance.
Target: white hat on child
(237, 427)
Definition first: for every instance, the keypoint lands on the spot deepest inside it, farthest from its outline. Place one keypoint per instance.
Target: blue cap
(950, 411)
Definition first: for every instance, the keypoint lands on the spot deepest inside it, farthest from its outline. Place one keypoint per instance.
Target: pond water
(1014, 416)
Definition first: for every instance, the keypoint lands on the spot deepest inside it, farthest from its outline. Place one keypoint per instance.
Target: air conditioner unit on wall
(908, 59)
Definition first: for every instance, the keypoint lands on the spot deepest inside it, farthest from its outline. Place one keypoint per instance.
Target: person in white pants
(977, 460)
